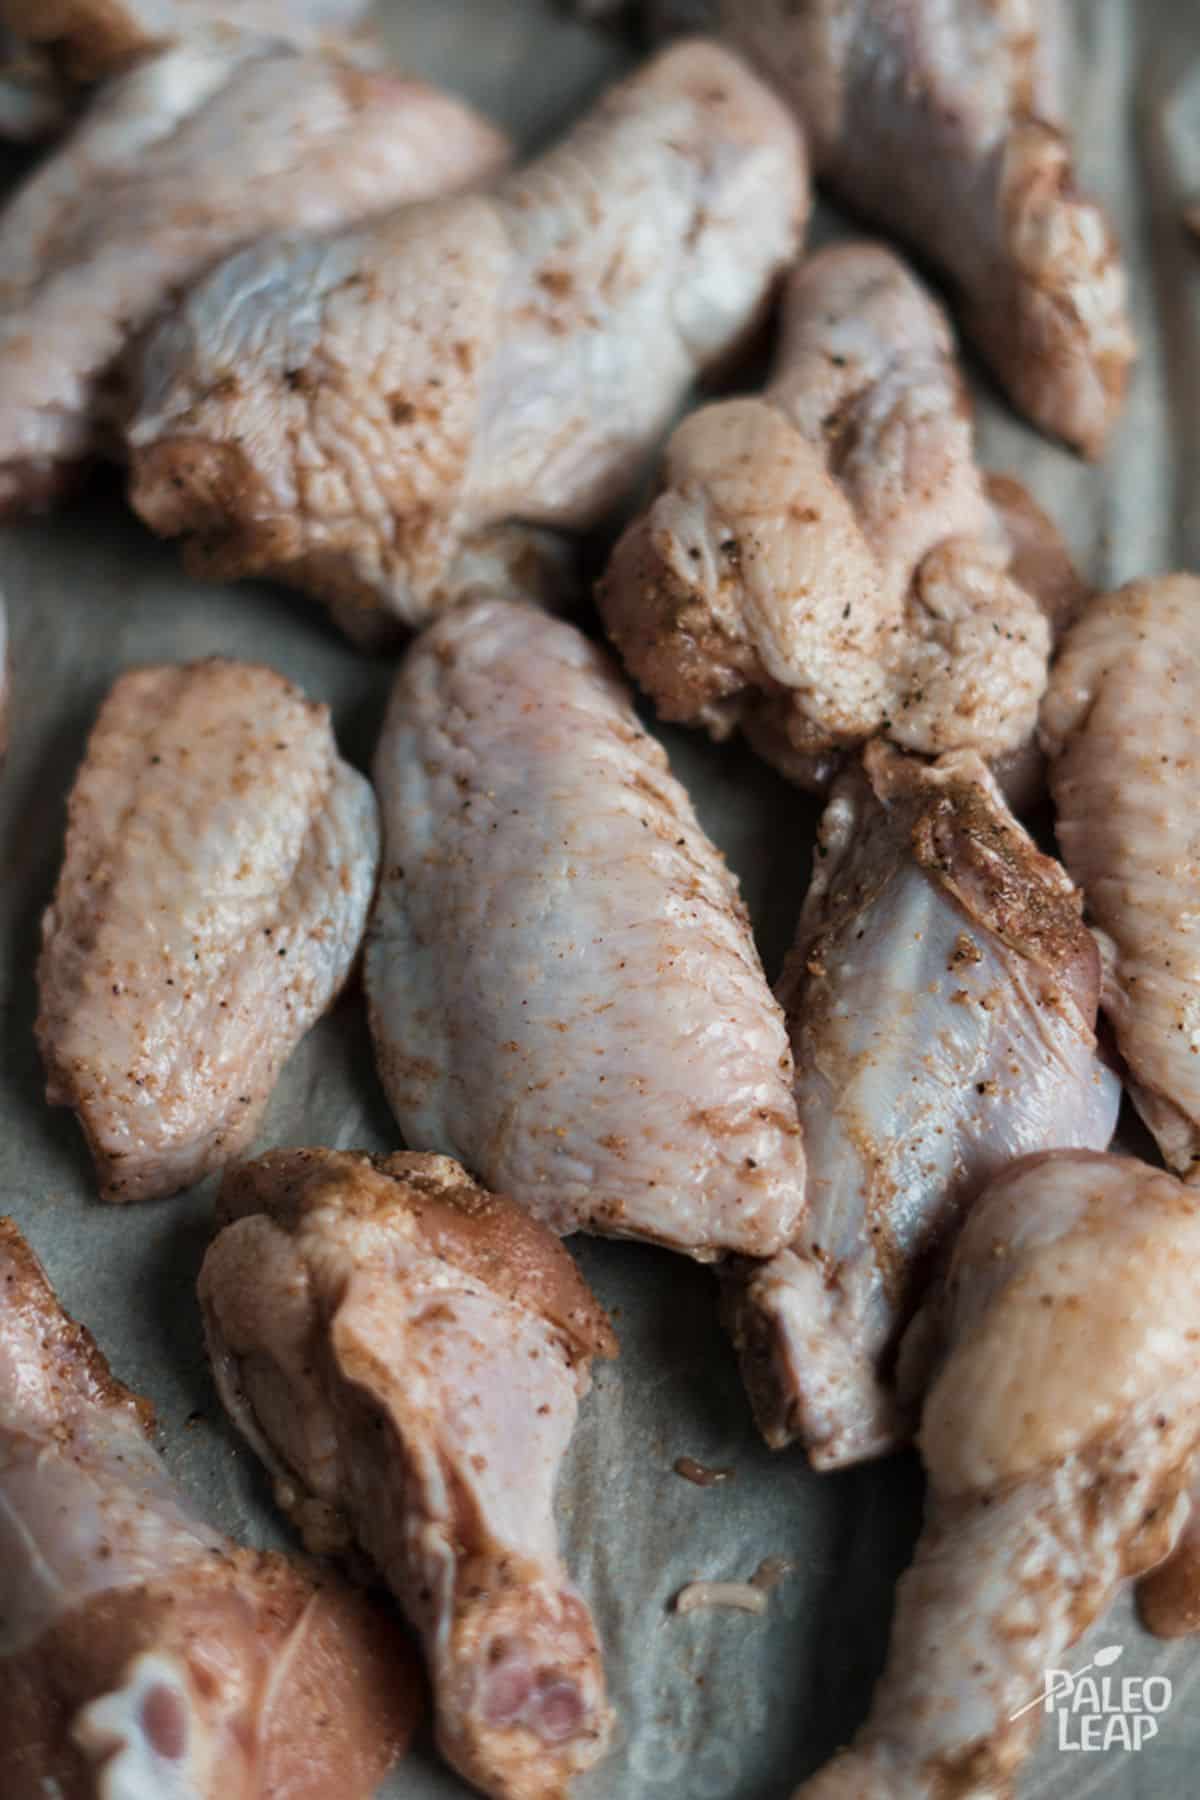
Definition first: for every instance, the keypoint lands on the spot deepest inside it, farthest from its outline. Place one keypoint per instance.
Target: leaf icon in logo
(1109, 1654)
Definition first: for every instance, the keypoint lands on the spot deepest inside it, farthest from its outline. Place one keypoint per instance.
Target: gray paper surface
(713, 1706)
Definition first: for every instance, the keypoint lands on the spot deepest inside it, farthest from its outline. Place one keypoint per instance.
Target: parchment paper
(713, 1706)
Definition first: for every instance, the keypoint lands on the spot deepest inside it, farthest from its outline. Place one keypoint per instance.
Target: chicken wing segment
(1121, 723)
(564, 989)
(361, 415)
(1058, 1437)
(945, 124)
(219, 865)
(407, 1353)
(823, 564)
(142, 1655)
(941, 996)
(206, 146)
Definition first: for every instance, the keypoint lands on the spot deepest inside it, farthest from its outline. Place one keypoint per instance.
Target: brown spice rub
(486, 1235)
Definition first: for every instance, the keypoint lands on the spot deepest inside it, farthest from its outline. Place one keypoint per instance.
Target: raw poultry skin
(219, 865)
(823, 564)
(199, 149)
(364, 415)
(563, 984)
(143, 1656)
(1058, 1438)
(88, 39)
(941, 996)
(407, 1353)
(944, 123)
(1121, 724)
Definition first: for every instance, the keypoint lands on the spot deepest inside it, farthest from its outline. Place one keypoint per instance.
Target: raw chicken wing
(407, 1353)
(219, 865)
(142, 1655)
(361, 415)
(1121, 723)
(564, 989)
(944, 123)
(1058, 1437)
(941, 996)
(197, 150)
(823, 564)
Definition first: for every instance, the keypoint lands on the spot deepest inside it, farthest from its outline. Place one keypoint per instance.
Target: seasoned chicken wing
(358, 415)
(945, 124)
(823, 564)
(197, 150)
(564, 989)
(91, 38)
(1121, 722)
(1058, 1437)
(142, 1655)
(219, 865)
(941, 996)
(407, 1353)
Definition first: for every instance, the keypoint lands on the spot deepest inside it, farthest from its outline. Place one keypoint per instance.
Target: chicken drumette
(1058, 1436)
(564, 988)
(407, 1354)
(941, 996)
(206, 146)
(141, 1653)
(823, 564)
(366, 415)
(220, 862)
(945, 124)
(1121, 723)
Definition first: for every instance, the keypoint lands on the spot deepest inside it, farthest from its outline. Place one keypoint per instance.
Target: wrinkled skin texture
(942, 121)
(407, 1353)
(219, 865)
(1120, 724)
(206, 146)
(941, 996)
(823, 565)
(142, 1655)
(361, 415)
(1058, 1437)
(563, 985)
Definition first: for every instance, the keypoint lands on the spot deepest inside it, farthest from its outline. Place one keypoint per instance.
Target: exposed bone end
(811, 1373)
(190, 484)
(521, 1702)
(676, 620)
(241, 1667)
